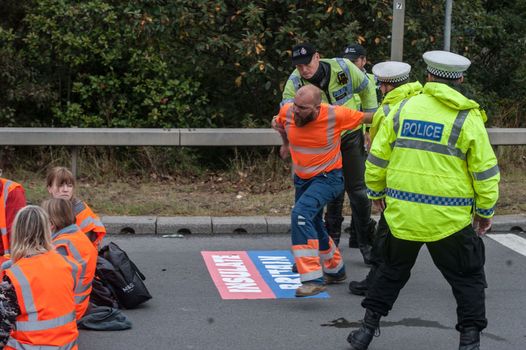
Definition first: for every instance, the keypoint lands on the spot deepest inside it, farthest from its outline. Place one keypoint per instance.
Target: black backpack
(117, 271)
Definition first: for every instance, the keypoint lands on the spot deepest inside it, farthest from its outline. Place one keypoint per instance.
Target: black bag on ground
(123, 276)
(102, 294)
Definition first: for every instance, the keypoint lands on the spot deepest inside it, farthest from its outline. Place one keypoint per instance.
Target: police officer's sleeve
(482, 164)
(291, 86)
(378, 118)
(378, 160)
(364, 87)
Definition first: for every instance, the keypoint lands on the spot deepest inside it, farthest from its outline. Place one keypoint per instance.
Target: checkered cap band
(443, 73)
(393, 80)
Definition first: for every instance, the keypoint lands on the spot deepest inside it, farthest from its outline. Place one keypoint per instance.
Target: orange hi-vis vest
(72, 242)
(44, 289)
(88, 221)
(7, 187)
(315, 147)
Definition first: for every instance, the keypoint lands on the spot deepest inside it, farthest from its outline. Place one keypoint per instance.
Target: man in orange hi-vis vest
(311, 133)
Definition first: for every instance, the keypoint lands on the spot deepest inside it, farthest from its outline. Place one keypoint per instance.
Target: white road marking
(511, 241)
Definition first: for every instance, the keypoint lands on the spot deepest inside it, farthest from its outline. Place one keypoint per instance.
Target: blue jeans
(311, 197)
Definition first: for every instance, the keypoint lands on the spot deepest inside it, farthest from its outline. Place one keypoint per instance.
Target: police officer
(434, 153)
(339, 79)
(393, 80)
(353, 149)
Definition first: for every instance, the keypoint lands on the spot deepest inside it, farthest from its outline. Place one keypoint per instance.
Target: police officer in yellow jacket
(339, 80)
(393, 79)
(433, 164)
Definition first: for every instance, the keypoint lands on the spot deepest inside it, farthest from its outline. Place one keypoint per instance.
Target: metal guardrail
(75, 137)
(180, 137)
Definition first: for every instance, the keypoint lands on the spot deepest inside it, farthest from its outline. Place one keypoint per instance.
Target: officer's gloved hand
(481, 225)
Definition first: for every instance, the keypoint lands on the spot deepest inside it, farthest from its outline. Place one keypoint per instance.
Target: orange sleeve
(347, 119)
(282, 115)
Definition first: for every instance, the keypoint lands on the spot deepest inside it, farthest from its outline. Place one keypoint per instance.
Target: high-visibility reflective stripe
(89, 220)
(74, 270)
(318, 168)
(374, 193)
(428, 199)
(79, 299)
(309, 276)
(430, 147)
(382, 163)
(386, 109)
(348, 88)
(457, 127)
(329, 254)
(288, 119)
(331, 123)
(396, 118)
(78, 258)
(296, 81)
(78, 207)
(27, 293)
(484, 175)
(285, 101)
(21, 346)
(485, 212)
(45, 324)
(7, 252)
(300, 253)
(370, 110)
(314, 150)
(335, 269)
(66, 230)
(363, 84)
(6, 190)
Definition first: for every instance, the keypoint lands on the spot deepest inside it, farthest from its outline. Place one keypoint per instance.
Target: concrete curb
(206, 225)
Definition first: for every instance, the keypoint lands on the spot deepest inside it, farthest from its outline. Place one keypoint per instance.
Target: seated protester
(41, 311)
(12, 199)
(61, 184)
(70, 241)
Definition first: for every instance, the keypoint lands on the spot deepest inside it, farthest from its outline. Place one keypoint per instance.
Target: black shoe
(366, 254)
(361, 338)
(358, 287)
(294, 268)
(469, 339)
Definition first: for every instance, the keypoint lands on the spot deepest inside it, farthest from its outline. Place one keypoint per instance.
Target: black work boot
(361, 287)
(358, 287)
(469, 339)
(361, 338)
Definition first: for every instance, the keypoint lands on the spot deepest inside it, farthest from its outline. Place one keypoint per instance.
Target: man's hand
(379, 204)
(284, 151)
(277, 126)
(481, 225)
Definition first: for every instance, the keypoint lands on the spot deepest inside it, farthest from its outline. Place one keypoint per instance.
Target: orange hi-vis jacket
(315, 147)
(44, 289)
(7, 187)
(88, 222)
(72, 242)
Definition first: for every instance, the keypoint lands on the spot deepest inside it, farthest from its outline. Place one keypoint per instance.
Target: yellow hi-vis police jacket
(391, 99)
(433, 162)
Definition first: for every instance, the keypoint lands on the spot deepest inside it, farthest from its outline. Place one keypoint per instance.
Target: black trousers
(353, 159)
(380, 236)
(459, 257)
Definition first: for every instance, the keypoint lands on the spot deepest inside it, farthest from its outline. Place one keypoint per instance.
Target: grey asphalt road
(187, 311)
